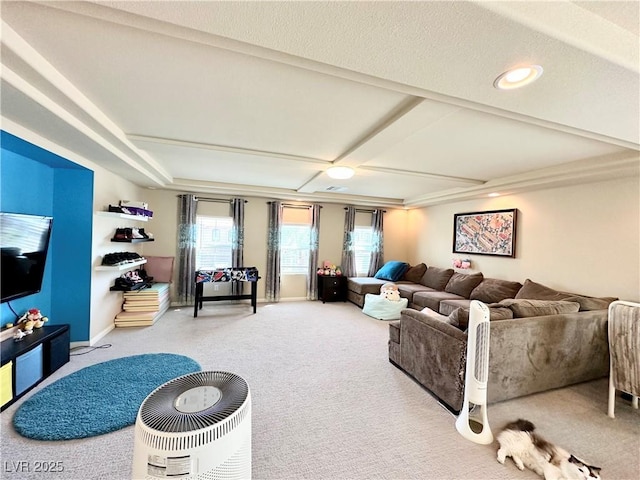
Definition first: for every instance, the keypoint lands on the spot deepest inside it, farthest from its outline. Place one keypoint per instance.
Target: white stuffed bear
(390, 292)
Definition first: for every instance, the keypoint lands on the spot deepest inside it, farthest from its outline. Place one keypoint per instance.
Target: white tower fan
(197, 426)
(472, 423)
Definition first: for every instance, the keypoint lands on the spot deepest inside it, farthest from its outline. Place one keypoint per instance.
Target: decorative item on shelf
(31, 319)
(132, 234)
(19, 335)
(329, 269)
(120, 258)
(128, 207)
(462, 263)
(132, 280)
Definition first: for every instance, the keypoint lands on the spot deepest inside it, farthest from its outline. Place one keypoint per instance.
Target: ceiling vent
(336, 189)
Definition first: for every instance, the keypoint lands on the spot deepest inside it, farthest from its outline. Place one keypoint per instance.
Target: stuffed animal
(391, 295)
(390, 292)
(30, 320)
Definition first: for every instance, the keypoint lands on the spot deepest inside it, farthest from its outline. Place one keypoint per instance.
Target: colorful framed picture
(485, 233)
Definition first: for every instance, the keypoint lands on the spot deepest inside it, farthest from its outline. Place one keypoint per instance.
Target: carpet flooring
(98, 399)
(327, 404)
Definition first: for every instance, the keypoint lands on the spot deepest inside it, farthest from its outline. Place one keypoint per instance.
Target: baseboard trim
(100, 335)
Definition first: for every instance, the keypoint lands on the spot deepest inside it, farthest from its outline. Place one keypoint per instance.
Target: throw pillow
(436, 316)
(415, 273)
(392, 271)
(463, 284)
(492, 290)
(591, 303)
(523, 308)
(460, 317)
(436, 278)
(536, 291)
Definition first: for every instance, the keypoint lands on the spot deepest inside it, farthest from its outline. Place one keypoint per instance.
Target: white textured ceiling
(262, 97)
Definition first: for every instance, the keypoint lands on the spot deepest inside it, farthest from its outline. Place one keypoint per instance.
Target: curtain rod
(209, 199)
(362, 210)
(291, 205)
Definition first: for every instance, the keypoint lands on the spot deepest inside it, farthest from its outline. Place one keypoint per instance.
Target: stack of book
(142, 308)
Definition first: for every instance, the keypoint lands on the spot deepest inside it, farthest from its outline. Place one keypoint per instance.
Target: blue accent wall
(36, 181)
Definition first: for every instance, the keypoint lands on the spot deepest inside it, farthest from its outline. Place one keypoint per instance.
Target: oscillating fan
(197, 426)
(472, 423)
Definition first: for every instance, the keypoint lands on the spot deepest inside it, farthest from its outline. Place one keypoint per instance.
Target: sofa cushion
(460, 316)
(492, 290)
(392, 271)
(523, 308)
(432, 299)
(415, 273)
(463, 284)
(408, 289)
(364, 285)
(536, 291)
(436, 316)
(591, 303)
(448, 306)
(436, 278)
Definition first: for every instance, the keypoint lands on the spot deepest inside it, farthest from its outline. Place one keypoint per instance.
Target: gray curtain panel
(348, 253)
(377, 247)
(237, 241)
(187, 206)
(272, 288)
(312, 277)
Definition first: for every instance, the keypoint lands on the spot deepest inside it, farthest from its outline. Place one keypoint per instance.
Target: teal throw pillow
(392, 271)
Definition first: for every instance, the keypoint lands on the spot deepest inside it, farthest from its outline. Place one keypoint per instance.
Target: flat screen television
(24, 243)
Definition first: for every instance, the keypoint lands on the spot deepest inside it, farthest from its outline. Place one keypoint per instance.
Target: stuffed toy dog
(390, 292)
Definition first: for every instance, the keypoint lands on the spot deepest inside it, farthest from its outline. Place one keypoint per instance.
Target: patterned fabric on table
(247, 274)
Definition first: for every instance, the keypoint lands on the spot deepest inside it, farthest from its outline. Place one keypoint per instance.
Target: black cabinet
(332, 288)
(29, 361)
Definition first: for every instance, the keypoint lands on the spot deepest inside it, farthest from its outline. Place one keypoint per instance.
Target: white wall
(105, 304)
(164, 204)
(584, 239)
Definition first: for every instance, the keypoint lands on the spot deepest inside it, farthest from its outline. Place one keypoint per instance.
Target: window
(362, 245)
(213, 242)
(294, 248)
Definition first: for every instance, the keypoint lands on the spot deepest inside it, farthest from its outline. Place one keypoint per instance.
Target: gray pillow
(492, 290)
(460, 316)
(415, 273)
(436, 316)
(436, 278)
(537, 291)
(462, 284)
(591, 303)
(523, 308)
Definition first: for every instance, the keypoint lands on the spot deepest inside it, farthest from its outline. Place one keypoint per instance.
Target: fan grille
(481, 372)
(158, 411)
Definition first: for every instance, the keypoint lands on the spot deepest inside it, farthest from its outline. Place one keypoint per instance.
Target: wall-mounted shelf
(125, 216)
(133, 240)
(124, 266)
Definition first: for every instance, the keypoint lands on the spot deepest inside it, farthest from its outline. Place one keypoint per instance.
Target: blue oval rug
(98, 399)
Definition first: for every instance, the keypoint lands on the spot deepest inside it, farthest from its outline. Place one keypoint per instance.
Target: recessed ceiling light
(340, 173)
(494, 194)
(518, 77)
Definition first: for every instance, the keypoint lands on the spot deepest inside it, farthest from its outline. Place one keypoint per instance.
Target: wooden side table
(332, 288)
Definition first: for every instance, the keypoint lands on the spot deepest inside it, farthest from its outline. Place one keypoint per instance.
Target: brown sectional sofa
(540, 338)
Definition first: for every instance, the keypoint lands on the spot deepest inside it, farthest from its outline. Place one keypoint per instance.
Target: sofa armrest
(434, 353)
(534, 354)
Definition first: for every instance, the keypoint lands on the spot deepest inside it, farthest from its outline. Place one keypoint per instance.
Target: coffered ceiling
(260, 98)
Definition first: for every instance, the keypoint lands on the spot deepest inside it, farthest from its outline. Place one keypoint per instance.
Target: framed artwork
(485, 233)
